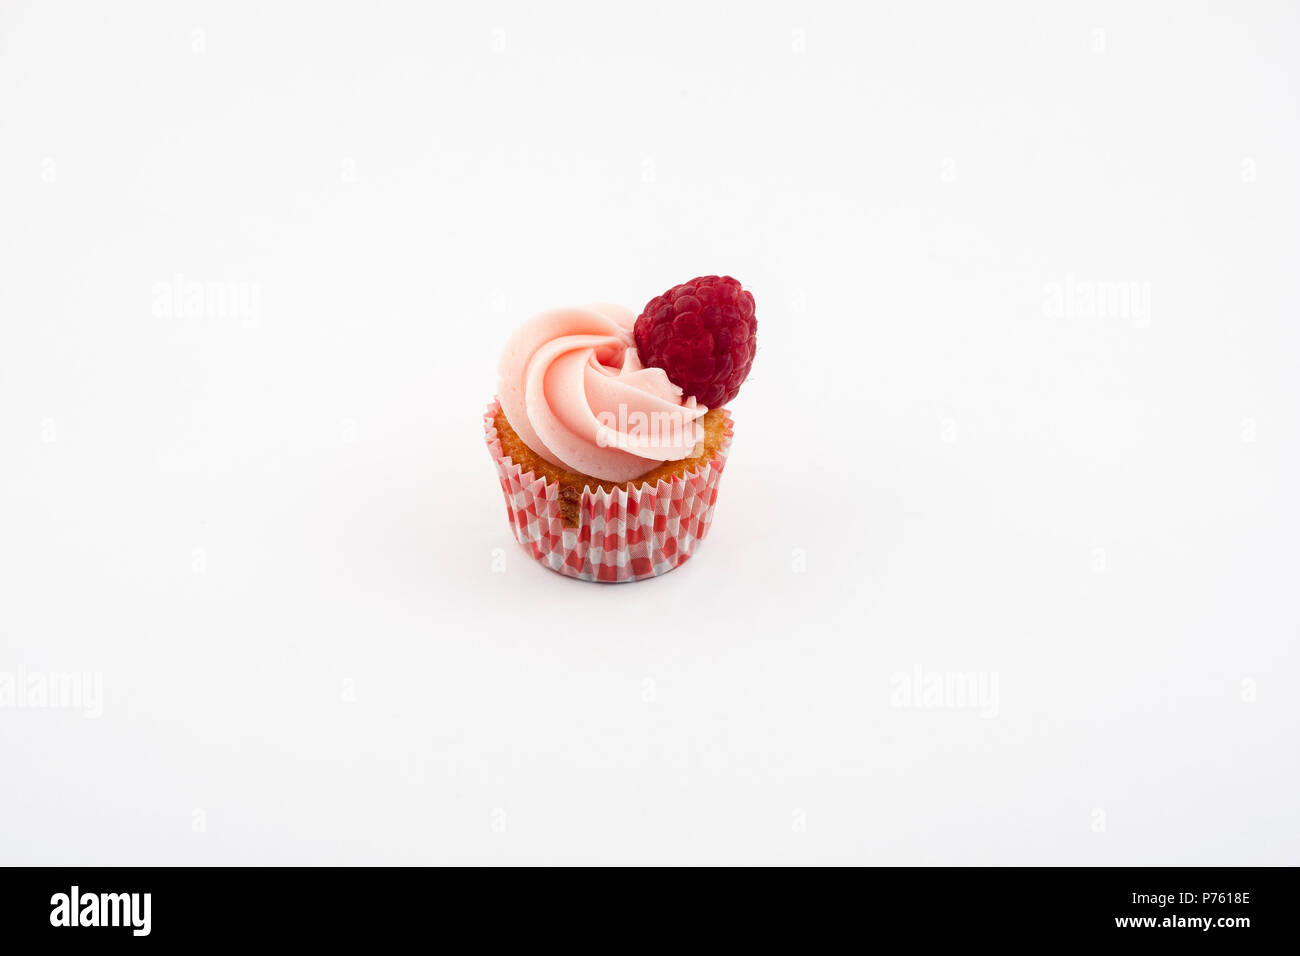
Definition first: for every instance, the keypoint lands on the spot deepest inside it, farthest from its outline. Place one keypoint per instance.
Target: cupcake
(609, 433)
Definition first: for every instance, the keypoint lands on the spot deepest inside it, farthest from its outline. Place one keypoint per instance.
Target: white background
(272, 535)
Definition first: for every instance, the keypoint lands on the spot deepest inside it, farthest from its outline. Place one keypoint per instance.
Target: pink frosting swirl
(573, 388)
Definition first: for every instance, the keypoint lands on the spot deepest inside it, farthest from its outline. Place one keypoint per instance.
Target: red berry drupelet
(703, 334)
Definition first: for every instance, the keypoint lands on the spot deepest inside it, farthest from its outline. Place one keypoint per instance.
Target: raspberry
(703, 334)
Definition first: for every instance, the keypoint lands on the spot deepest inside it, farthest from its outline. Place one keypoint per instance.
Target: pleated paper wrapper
(622, 535)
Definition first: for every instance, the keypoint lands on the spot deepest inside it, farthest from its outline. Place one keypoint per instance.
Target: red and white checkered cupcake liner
(622, 535)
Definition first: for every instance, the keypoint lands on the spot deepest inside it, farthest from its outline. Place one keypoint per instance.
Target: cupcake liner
(622, 535)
